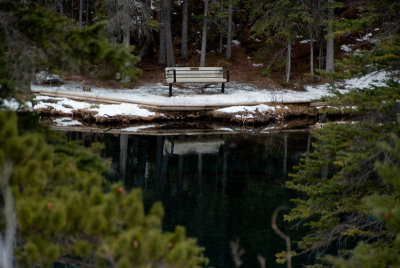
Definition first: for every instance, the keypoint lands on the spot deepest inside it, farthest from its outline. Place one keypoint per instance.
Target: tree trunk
(80, 13)
(311, 49)
(204, 35)
(329, 41)
(229, 32)
(7, 242)
(161, 55)
(184, 43)
(288, 60)
(145, 46)
(126, 38)
(321, 50)
(169, 49)
(221, 44)
(87, 12)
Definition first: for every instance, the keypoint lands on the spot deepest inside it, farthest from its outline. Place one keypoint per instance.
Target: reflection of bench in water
(181, 147)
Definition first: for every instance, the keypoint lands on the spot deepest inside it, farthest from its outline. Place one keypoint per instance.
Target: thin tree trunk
(80, 13)
(184, 42)
(168, 34)
(229, 32)
(126, 38)
(8, 241)
(221, 44)
(87, 12)
(161, 56)
(321, 50)
(288, 60)
(204, 35)
(329, 41)
(311, 49)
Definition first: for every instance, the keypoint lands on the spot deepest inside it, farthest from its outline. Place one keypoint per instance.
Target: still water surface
(220, 187)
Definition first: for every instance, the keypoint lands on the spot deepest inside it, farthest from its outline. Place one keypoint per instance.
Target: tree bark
(7, 241)
(311, 49)
(145, 46)
(321, 50)
(80, 13)
(161, 55)
(126, 38)
(329, 41)
(204, 35)
(229, 32)
(288, 60)
(184, 42)
(169, 49)
(87, 12)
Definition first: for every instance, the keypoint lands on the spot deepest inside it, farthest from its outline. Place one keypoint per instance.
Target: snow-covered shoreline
(129, 106)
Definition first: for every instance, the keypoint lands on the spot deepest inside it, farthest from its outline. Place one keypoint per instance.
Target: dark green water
(220, 187)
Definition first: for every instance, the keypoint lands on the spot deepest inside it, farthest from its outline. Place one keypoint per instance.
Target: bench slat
(195, 76)
(197, 80)
(193, 68)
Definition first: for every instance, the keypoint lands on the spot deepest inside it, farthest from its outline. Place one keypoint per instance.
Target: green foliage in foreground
(350, 185)
(67, 212)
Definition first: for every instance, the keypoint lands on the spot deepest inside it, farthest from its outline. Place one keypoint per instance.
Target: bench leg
(223, 88)
(170, 90)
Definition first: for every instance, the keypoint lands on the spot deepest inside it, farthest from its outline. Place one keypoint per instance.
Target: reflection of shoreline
(154, 131)
(183, 147)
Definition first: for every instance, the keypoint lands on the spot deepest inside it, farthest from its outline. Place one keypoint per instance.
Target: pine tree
(340, 180)
(385, 207)
(68, 213)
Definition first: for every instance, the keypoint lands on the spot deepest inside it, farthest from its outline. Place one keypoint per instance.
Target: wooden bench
(196, 75)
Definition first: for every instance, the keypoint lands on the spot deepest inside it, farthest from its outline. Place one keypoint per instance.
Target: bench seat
(195, 75)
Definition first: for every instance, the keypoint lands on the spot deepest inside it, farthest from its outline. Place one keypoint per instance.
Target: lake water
(220, 187)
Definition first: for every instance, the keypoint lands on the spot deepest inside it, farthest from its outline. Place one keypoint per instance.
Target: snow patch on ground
(235, 42)
(258, 64)
(346, 48)
(108, 110)
(14, 105)
(66, 106)
(366, 37)
(10, 104)
(157, 94)
(63, 105)
(374, 79)
(368, 81)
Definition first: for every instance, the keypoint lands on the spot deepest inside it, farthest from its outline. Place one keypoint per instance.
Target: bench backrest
(194, 74)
